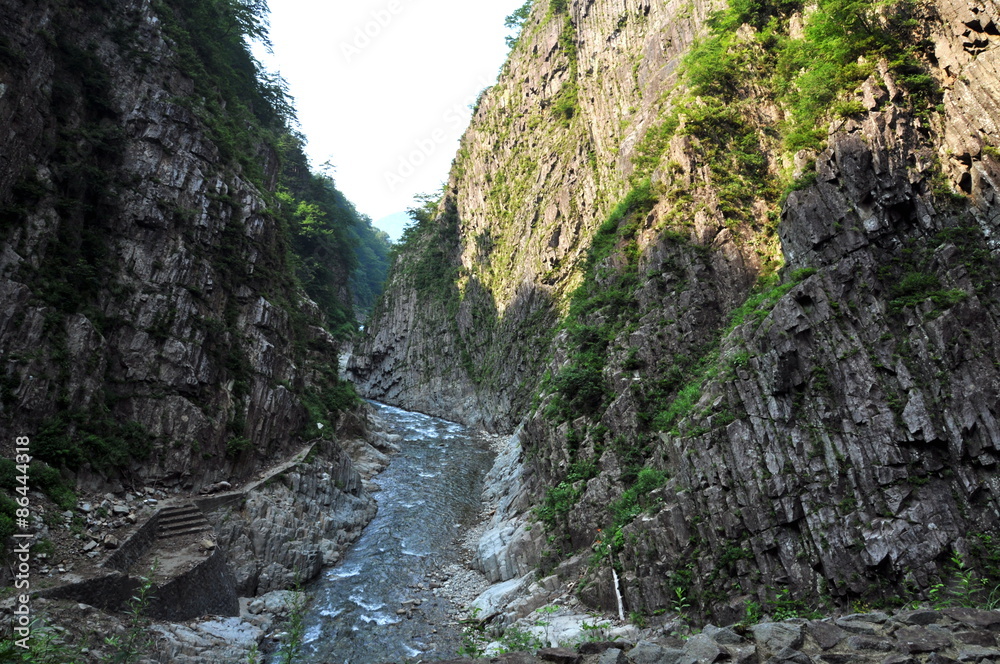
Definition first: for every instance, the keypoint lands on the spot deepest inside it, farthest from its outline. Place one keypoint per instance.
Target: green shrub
(515, 21)
(559, 500)
(916, 287)
(73, 438)
(236, 445)
(849, 108)
(635, 499)
(49, 481)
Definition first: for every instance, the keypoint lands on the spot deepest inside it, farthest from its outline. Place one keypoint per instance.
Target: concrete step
(183, 531)
(181, 520)
(176, 517)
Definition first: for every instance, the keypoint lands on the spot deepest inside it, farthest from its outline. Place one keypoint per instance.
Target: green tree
(515, 22)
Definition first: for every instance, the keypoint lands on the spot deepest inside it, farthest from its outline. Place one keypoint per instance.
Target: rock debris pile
(919, 636)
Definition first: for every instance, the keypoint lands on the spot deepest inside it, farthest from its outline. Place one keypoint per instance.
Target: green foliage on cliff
(241, 103)
(319, 220)
(430, 244)
(312, 237)
(841, 44)
(564, 106)
(74, 438)
(373, 249)
(515, 21)
(731, 73)
(637, 497)
(599, 308)
(559, 501)
(249, 112)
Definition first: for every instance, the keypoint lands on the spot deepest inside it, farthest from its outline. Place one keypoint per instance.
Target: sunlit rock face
(832, 431)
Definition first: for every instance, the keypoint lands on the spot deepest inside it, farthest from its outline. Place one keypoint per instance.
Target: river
(430, 491)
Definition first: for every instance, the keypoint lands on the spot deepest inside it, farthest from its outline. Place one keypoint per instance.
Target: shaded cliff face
(749, 392)
(149, 321)
(472, 303)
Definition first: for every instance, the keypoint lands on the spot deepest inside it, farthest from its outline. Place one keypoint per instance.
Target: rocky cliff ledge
(221, 573)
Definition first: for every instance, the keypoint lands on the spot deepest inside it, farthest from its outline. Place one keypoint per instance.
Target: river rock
(773, 637)
(207, 641)
(611, 656)
(291, 527)
(282, 602)
(647, 652)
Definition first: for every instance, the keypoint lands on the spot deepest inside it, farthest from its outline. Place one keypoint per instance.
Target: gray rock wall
(526, 195)
(135, 258)
(840, 436)
(286, 530)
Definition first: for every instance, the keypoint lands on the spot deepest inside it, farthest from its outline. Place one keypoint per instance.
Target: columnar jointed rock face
(539, 167)
(287, 531)
(146, 302)
(833, 432)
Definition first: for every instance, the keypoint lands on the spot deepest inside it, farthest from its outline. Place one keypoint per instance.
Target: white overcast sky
(383, 87)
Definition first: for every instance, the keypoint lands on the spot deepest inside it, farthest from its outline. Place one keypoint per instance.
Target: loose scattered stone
(974, 617)
(899, 659)
(827, 635)
(790, 656)
(611, 656)
(598, 647)
(647, 652)
(920, 639)
(702, 648)
(972, 638)
(922, 617)
(774, 637)
(863, 643)
(723, 635)
(977, 654)
(560, 655)
(857, 626)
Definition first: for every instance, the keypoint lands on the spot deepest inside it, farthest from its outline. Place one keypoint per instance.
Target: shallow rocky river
(430, 492)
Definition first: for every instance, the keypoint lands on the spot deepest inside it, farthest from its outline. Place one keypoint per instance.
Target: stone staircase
(181, 519)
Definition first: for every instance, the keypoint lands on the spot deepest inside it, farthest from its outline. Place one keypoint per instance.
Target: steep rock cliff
(750, 393)
(473, 300)
(150, 326)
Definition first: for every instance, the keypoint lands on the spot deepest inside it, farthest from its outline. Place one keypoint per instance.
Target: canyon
(717, 280)
(746, 355)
